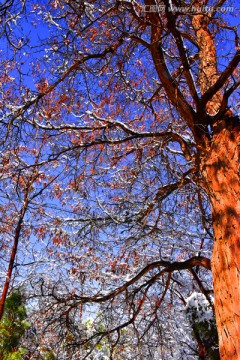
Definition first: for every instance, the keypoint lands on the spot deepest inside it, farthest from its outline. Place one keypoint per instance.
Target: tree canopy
(118, 169)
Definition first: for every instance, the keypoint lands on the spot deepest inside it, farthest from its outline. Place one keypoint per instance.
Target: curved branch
(168, 267)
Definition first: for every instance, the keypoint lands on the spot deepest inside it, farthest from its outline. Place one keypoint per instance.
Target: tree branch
(221, 80)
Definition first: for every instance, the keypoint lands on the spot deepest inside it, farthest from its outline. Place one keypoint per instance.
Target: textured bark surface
(208, 74)
(219, 155)
(221, 171)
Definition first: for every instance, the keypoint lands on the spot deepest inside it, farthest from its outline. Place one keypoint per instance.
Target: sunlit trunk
(221, 172)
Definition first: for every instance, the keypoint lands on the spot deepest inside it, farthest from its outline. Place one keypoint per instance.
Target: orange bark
(208, 73)
(220, 170)
(11, 262)
(219, 156)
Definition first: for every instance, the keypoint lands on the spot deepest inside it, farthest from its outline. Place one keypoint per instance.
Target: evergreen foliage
(201, 317)
(13, 327)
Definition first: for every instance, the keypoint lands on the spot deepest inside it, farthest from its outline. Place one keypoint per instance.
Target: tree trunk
(11, 262)
(220, 168)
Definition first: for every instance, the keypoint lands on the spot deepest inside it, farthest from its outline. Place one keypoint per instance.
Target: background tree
(203, 324)
(13, 327)
(120, 132)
